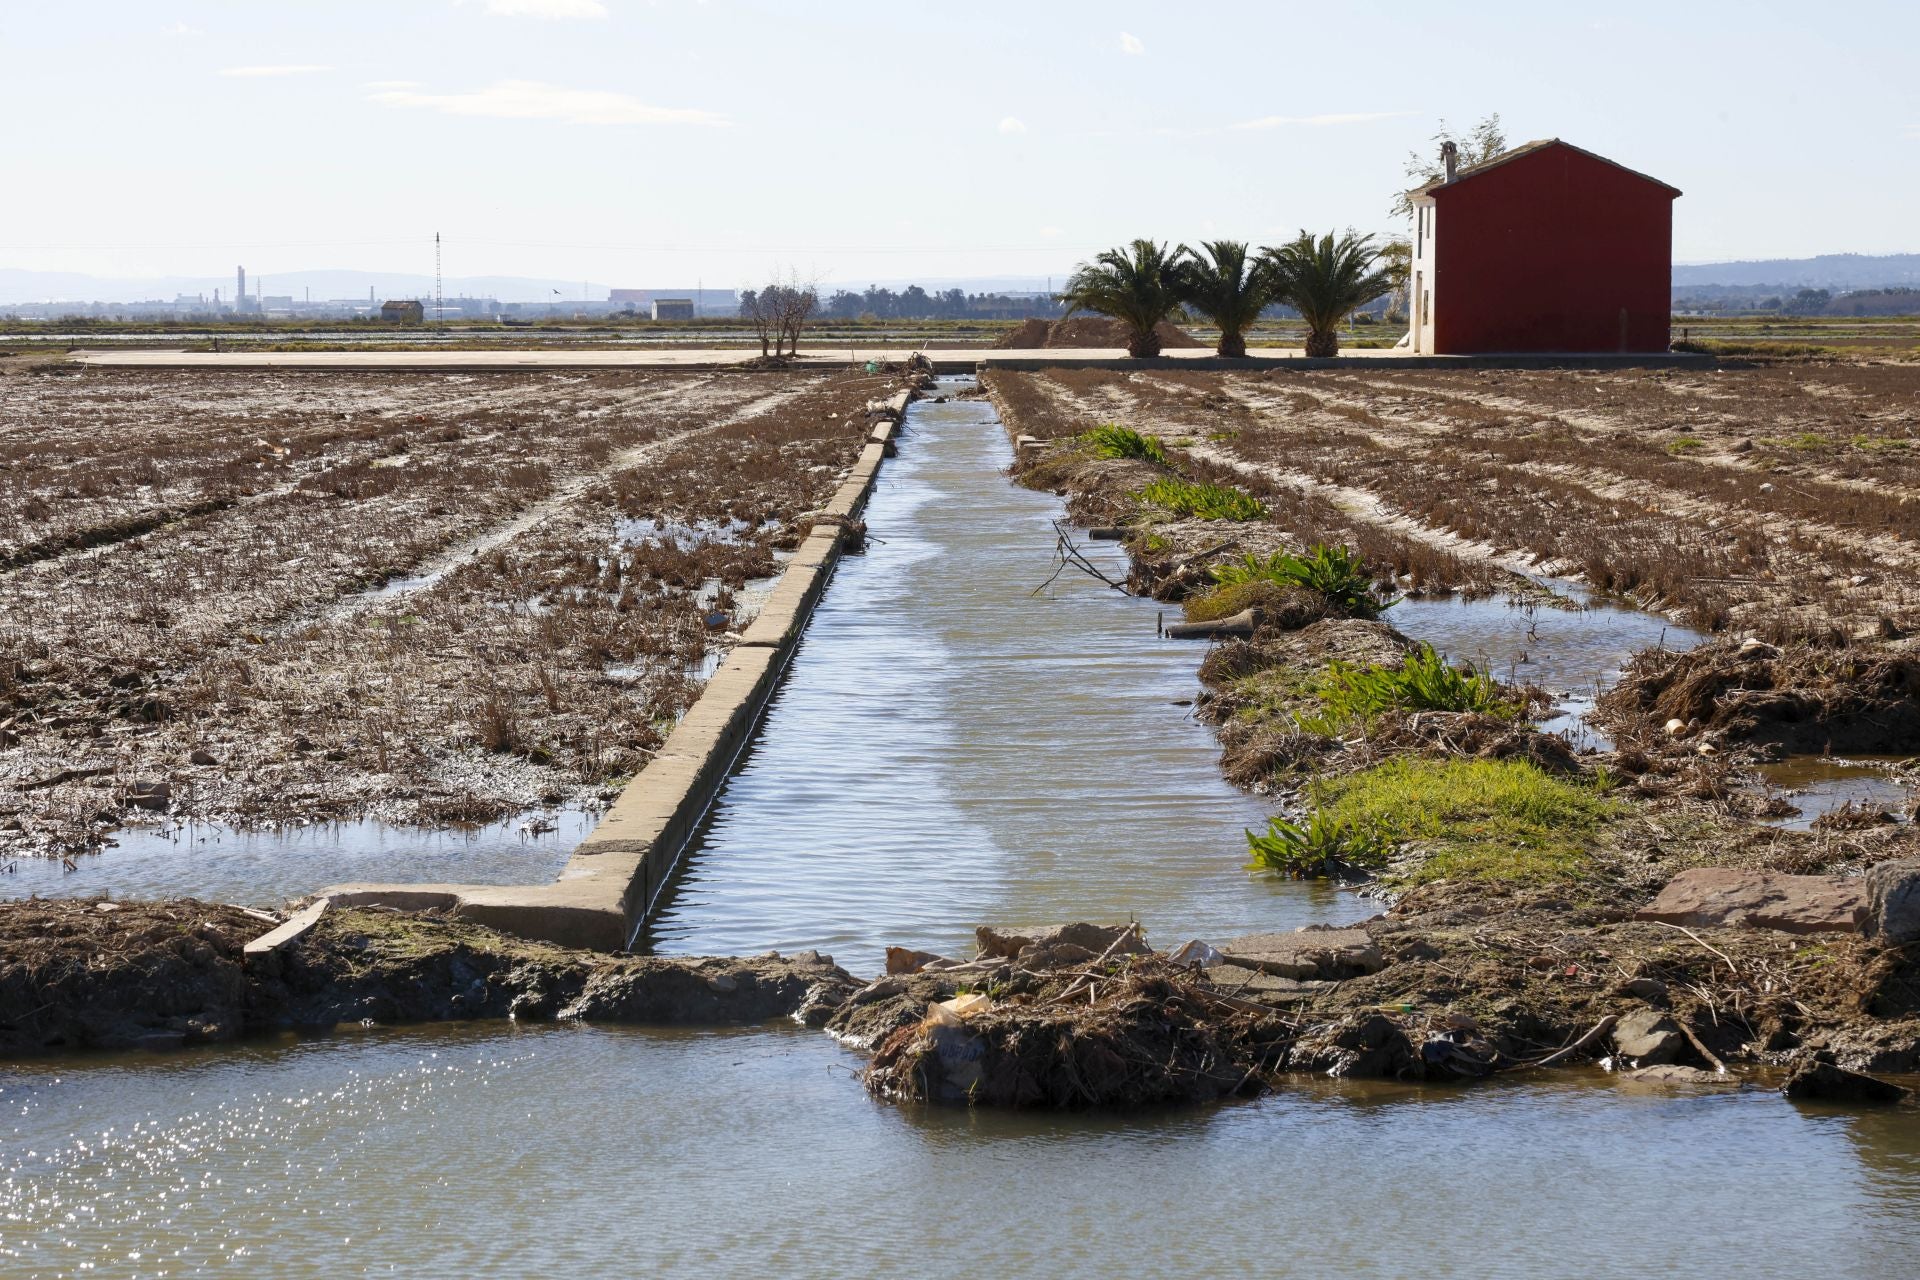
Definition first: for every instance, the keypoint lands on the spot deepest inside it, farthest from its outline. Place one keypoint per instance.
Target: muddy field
(275, 598)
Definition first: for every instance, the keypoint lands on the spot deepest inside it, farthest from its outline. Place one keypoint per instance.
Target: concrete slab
(292, 931)
(1724, 897)
(1306, 953)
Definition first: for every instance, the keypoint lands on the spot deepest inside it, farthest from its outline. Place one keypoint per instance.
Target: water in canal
(949, 750)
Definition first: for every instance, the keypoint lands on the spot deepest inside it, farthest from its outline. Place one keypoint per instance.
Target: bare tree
(759, 308)
(778, 312)
(1476, 146)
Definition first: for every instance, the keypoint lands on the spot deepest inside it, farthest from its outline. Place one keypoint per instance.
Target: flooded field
(424, 601)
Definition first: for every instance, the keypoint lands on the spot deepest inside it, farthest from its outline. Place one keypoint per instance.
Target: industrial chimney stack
(240, 274)
(1450, 159)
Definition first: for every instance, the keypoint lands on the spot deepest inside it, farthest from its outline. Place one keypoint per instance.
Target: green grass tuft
(1332, 572)
(1686, 444)
(1116, 441)
(1487, 820)
(1423, 681)
(1203, 501)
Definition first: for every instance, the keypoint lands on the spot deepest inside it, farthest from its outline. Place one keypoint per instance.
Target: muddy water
(1817, 785)
(950, 749)
(555, 1151)
(1573, 653)
(931, 724)
(267, 867)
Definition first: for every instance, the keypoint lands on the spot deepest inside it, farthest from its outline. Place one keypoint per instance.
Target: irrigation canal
(949, 749)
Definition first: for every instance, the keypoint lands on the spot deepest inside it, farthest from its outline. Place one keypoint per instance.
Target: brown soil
(1850, 699)
(1085, 331)
(196, 593)
(112, 975)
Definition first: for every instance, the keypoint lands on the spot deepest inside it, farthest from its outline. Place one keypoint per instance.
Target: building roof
(1527, 149)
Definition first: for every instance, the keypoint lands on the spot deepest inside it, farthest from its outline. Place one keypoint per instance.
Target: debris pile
(1046, 1020)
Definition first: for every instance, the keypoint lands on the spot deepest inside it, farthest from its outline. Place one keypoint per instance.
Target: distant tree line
(916, 303)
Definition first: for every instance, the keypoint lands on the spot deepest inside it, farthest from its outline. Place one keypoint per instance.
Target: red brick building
(1544, 248)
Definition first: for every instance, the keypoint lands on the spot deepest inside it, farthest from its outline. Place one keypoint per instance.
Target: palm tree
(1139, 286)
(1324, 280)
(1226, 288)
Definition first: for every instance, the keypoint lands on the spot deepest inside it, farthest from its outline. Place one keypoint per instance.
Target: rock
(149, 795)
(1094, 937)
(1670, 1074)
(200, 755)
(1719, 897)
(1826, 1082)
(1742, 445)
(1647, 1037)
(1307, 953)
(1651, 990)
(907, 960)
(1893, 902)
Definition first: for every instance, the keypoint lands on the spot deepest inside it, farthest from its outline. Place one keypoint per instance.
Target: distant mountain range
(1830, 271)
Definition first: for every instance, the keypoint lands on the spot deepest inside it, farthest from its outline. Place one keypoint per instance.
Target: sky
(663, 142)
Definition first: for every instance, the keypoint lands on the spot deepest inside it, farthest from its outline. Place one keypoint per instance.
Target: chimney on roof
(1449, 159)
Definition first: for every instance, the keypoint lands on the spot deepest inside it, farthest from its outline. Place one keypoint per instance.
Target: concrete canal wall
(616, 875)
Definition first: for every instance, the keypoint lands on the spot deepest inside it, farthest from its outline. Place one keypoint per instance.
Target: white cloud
(276, 69)
(391, 84)
(1321, 121)
(547, 8)
(532, 100)
(1132, 44)
(1012, 124)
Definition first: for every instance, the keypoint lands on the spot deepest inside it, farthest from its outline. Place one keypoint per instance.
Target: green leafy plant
(1115, 441)
(1203, 501)
(1423, 681)
(1321, 848)
(1334, 572)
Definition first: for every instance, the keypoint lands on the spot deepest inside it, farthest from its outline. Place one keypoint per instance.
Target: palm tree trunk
(1143, 345)
(1232, 345)
(1323, 342)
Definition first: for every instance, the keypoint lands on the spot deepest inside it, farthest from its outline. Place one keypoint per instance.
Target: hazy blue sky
(656, 141)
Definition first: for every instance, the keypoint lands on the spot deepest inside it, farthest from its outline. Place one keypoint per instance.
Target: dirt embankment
(89, 974)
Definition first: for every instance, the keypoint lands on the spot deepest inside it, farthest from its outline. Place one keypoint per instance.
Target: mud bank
(1085, 1016)
(1506, 937)
(93, 974)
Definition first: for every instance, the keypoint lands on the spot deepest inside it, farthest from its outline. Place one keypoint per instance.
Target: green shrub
(1335, 573)
(1423, 681)
(1489, 820)
(1686, 444)
(1322, 848)
(1203, 501)
(1116, 441)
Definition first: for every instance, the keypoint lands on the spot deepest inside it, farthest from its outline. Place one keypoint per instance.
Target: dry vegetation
(427, 598)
